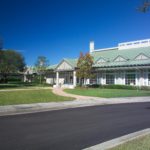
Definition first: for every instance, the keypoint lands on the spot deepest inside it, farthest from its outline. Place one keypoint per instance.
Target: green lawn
(30, 96)
(108, 93)
(19, 85)
(142, 143)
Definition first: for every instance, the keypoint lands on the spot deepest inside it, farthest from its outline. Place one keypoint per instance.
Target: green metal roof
(110, 55)
(72, 62)
(128, 54)
(52, 67)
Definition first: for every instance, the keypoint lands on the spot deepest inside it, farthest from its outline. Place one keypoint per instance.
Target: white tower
(91, 46)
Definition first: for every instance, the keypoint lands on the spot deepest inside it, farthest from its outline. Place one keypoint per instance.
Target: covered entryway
(65, 75)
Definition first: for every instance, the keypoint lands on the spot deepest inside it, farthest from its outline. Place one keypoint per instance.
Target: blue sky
(62, 28)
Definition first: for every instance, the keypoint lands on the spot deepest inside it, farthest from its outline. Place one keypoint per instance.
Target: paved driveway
(72, 129)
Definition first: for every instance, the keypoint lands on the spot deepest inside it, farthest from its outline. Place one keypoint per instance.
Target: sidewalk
(81, 101)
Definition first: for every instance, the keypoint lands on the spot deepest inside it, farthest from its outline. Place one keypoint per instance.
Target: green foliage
(84, 66)
(14, 79)
(129, 87)
(1, 43)
(41, 63)
(113, 86)
(41, 67)
(144, 88)
(10, 62)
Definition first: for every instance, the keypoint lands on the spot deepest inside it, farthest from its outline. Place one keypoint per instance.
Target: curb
(118, 141)
(41, 107)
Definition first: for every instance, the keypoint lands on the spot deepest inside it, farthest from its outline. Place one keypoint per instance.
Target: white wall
(141, 77)
(64, 66)
(50, 80)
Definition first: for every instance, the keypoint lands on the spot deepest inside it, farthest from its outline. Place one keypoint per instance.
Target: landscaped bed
(108, 93)
(30, 96)
(142, 143)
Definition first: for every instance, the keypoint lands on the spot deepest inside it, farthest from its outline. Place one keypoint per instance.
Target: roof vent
(134, 44)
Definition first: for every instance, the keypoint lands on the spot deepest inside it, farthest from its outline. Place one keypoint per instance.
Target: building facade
(126, 64)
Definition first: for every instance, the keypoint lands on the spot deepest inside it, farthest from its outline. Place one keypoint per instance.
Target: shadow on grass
(20, 85)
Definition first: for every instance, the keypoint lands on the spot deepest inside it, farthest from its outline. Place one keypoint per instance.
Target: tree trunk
(5, 78)
(80, 80)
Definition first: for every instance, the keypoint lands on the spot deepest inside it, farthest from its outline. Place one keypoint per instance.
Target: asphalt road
(72, 129)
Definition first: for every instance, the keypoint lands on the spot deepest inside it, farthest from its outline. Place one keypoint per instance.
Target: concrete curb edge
(121, 140)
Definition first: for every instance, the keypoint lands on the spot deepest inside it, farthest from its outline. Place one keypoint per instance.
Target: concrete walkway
(81, 101)
(100, 100)
(60, 91)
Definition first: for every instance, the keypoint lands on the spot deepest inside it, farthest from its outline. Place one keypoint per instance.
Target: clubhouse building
(126, 64)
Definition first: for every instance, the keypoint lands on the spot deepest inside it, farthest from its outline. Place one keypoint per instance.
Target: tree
(10, 62)
(41, 66)
(1, 43)
(84, 67)
(144, 8)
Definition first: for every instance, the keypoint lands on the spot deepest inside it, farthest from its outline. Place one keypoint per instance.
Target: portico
(65, 75)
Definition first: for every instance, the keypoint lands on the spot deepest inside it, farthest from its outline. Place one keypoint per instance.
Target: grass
(142, 143)
(14, 85)
(30, 96)
(107, 93)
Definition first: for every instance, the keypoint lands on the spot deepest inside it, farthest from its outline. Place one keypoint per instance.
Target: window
(66, 77)
(110, 79)
(130, 79)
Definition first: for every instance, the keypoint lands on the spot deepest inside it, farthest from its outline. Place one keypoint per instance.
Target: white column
(119, 78)
(116, 75)
(146, 78)
(141, 78)
(137, 78)
(74, 78)
(123, 77)
(103, 78)
(25, 78)
(57, 78)
(87, 81)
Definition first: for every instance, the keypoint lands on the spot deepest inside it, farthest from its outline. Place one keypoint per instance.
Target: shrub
(145, 88)
(113, 86)
(93, 85)
(119, 87)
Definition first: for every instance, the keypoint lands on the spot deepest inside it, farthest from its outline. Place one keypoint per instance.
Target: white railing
(103, 49)
(134, 44)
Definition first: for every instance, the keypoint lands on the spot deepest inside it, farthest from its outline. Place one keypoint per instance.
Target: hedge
(118, 87)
